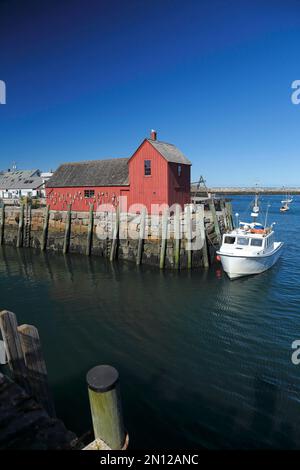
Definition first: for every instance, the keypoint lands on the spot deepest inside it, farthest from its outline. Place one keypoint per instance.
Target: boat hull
(239, 266)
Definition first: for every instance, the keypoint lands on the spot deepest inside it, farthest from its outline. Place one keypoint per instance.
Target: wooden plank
(2, 224)
(36, 367)
(164, 236)
(212, 209)
(45, 229)
(114, 245)
(201, 216)
(177, 236)
(14, 352)
(188, 235)
(67, 231)
(106, 408)
(89, 240)
(20, 228)
(223, 209)
(228, 207)
(141, 237)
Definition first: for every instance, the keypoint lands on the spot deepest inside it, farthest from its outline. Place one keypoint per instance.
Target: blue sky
(89, 79)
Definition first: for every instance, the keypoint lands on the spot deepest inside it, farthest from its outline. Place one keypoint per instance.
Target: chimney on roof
(153, 134)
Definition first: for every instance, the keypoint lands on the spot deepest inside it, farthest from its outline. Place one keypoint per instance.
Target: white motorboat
(250, 248)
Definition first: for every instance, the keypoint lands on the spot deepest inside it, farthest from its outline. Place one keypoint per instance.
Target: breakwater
(182, 240)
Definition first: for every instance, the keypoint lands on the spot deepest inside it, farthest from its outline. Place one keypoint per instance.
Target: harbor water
(203, 361)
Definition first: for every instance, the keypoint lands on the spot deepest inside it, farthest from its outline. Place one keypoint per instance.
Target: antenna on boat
(267, 212)
(237, 219)
(255, 209)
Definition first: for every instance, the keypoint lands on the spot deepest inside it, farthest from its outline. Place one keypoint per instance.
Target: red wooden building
(157, 173)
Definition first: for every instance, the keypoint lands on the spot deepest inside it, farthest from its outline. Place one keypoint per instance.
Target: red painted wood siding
(179, 186)
(59, 198)
(152, 189)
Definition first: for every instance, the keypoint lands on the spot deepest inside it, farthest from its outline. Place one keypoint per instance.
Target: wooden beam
(212, 209)
(106, 408)
(20, 228)
(45, 228)
(188, 235)
(228, 207)
(14, 352)
(177, 236)
(89, 240)
(114, 245)
(164, 236)
(67, 231)
(201, 217)
(36, 367)
(141, 238)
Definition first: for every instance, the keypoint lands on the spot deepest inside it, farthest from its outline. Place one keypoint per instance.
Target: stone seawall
(103, 226)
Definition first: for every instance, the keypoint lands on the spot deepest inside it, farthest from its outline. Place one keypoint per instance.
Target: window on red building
(89, 193)
(179, 170)
(147, 167)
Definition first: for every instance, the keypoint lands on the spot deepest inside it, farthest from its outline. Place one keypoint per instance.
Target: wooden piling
(212, 209)
(164, 236)
(188, 229)
(67, 231)
(36, 367)
(177, 237)
(89, 240)
(13, 348)
(201, 216)
(21, 226)
(228, 207)
(223, 209)
(106, 409)
(114, 245)
(141, 237)
(2, 224)
(45, 229)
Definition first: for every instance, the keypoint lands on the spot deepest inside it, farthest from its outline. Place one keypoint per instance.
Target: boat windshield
(243, 241)
(256, 242)
(229, 240)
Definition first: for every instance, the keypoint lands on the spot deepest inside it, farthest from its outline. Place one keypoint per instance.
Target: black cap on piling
(102, 378)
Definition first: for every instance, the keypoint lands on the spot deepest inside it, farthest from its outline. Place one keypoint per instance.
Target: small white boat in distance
(249, 249)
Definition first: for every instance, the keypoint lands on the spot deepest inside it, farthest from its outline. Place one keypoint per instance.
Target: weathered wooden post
(141, 238)
(228, 207)
(2, 224)
(223, 209)
(203, 235)
(89, 240)
(188, 235)
(45, 229)
(212, 209)
(114, 245)
(20, 228)
(177, 236)
(10, 335)
(36, 367)
(164, 236)
(106, 409)
(67, 231)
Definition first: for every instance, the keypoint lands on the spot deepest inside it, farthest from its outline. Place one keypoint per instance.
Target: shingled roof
(112, 172)
(169, 152)
(20, 179)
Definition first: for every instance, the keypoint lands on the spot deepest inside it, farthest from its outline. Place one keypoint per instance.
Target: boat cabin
(241, 239)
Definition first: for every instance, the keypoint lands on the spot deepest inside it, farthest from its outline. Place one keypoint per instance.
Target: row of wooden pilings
(203, 231)
(28, 369)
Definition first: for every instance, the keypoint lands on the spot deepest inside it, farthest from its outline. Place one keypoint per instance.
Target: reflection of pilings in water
(5, 262)
(91, 271)
(45, 259)
(69, 267)
(23, 264)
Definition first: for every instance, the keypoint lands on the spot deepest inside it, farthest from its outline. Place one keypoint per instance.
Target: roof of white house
(20, 179)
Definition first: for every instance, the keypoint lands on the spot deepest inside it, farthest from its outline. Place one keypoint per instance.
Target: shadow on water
(204, 362)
